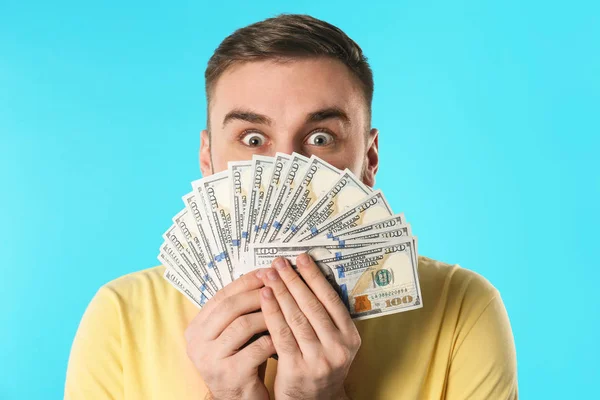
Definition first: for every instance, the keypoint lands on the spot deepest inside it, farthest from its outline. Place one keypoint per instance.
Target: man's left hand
(313, 334)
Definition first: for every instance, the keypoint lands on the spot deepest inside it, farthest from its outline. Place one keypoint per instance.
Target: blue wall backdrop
(489, 118)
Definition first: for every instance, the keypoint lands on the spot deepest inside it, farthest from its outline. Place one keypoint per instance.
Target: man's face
(310, 106)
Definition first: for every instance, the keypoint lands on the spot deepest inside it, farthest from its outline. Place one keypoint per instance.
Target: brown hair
(283, 38)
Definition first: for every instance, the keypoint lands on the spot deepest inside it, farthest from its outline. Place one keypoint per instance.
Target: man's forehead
(300, 87)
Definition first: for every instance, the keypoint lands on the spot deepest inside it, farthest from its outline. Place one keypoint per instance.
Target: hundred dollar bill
(376, 280)
(388, 222)
(262, 167)
(212, 229)
(174, 278)
(216, 194)
(371, 208)
(194, 204)
(380, 234)
(177, 242)
(317, 179)
(199, 247)
(240, 185)
(279, 164)
(291, 177)
(344, 193)
(169, 262)
(263, 254)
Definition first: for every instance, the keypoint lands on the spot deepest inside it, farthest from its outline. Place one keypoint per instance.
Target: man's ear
(204, 154)
(371, 162)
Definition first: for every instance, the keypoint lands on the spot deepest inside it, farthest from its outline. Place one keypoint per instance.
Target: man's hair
(284, 38)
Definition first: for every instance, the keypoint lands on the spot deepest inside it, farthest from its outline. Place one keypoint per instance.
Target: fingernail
(280, 263)
(273, 275)
(267, 293)
(259, 274)
(302, 260)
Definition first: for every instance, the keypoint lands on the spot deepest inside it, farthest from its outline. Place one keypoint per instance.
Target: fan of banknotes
(243, 218)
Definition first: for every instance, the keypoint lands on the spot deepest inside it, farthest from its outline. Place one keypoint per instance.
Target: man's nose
(288, 147)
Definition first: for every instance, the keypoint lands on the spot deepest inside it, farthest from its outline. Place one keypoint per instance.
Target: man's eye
(319, 139)
(254, 139)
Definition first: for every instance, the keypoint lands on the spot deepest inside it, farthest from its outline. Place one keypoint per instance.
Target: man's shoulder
(141, 287)
(450, 281)
(138, 280)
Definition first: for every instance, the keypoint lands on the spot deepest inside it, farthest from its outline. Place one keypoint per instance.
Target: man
(291, 83)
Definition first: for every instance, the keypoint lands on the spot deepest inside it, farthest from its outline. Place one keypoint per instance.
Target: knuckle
(219, 296)
(260, 347)
(189, 350)
(245, 280)
(280, 291)
(288, 346)
(192, 332)
(188, 334)
(314, 305)
(322, 370)
(194, 350)
(226, 303)
(298, 319)
(355, 340)
(272, 309)
(332, 297)
(293, 279)
(285, 332)
(344, 357)
(243, 323)
(264, 342)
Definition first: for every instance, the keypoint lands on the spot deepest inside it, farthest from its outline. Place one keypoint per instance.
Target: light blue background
(489, 119)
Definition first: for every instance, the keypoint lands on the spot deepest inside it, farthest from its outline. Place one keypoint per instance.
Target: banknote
(279, 165)
(388, 222)
(240, 184)
(198, 246)
(180, 248)
(373, 207)
(197, 298)
(262, 167)
(317, 179)
(345, 192)
(291, 177)
(376, 280)
(196, 209)
(181, 263)
(379, 234)
(263, 254)
(243, 218)
(182, 270)
(214, 190)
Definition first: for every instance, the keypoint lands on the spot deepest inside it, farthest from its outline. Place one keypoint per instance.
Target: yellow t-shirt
(130, 344)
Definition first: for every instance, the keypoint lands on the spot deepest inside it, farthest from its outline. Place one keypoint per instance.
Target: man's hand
(215, 336)
(312, 331)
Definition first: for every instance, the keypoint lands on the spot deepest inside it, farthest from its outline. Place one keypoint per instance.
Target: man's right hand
(215, 335)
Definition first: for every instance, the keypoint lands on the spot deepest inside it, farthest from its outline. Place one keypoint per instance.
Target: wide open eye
(254, 139)
(319, 138)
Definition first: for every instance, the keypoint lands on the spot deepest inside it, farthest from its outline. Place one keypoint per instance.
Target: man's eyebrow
(246, 115)
(256, 118)
(329, 113)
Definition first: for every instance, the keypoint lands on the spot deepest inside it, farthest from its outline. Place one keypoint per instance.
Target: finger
(281, 334)
(296, 320)
(228, 310)
(307, 301)
(256, 353)
(239, 332)
(326, 294)
(244, 283)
